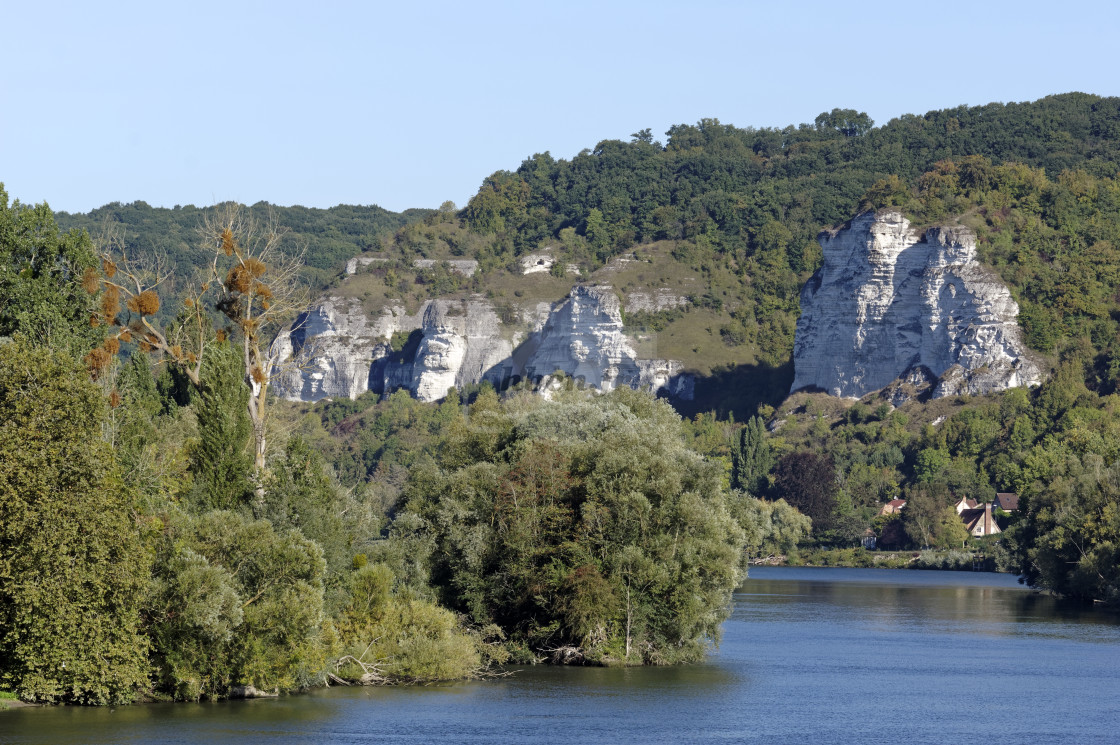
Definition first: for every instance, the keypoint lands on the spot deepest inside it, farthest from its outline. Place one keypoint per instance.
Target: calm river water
(808, 656)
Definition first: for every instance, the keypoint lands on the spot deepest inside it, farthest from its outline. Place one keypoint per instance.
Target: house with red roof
(892, 507)
(1007, 501)
(979, 521)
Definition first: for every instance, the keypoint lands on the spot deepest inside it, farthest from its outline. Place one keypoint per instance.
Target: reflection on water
(809, 655)
(905, 600)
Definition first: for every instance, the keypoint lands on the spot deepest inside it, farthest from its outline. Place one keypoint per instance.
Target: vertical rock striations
(583, 338)
(335, 350)
(328, 351)
(458, 349)
(888, 303)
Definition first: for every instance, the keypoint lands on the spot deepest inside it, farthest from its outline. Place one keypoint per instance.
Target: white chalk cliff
(329, 349)
(337, 350)
(457, 349)
(584, 339)
(891, 303)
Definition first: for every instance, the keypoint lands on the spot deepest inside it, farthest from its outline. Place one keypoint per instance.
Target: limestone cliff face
(458, 349)
(584, 339)
(337, 350)
(889, 303)
(329, 349)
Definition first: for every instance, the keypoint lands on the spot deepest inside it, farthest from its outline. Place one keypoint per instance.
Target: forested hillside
(329, 237)
(739, 210)
(728, 183)
(727, 215)
(169, 530)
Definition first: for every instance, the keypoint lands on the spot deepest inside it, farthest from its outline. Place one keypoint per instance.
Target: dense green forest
(740, 209)
(325, 238)
(169, 531)
(148, 552)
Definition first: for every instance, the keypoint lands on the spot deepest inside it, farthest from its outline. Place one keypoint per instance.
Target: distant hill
(727, 217)
(331, 236)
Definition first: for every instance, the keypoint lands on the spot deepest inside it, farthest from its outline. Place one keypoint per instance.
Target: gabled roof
(1007, 501)
(979, 521)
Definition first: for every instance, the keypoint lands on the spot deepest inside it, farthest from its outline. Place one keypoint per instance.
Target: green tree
(596, 229)
(1069, 531)
(235, 602)
(752, 461)
(395, 636)
(41, 276)
(848, 122)
(301, 493)
(582, 524)
(953, 533)
(925, 518)
(72, 561)
(772, 528)
(221, 462)
(134, 429)
(499, 205)
(932, 462)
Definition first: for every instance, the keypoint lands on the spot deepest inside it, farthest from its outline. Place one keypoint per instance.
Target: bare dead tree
(136, 281)
(260, 293)
(248, 278)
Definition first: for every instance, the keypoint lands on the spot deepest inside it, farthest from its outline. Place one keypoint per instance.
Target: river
(808, 656)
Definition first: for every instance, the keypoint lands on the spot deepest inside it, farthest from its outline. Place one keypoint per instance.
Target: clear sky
(407, 104)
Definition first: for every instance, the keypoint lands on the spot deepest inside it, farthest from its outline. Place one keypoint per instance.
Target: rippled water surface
(808, 656)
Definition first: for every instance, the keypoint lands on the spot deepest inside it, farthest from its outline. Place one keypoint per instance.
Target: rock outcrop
(537, 262)
(362, 262)
(337, 350)
(466, 267)
(583, 338)
(652, 302)
(891, 304)
(329, 349)
(457, 349)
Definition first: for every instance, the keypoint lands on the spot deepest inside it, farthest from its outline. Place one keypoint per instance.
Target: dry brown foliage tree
(259, 293)
(248, 279)
(129, 287)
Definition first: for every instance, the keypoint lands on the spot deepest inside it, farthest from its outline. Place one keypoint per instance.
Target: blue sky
(378, 103)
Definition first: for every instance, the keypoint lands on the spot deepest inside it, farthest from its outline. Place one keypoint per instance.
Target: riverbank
(365, 674)
(861, 558)
(9, 700)
(805, 656)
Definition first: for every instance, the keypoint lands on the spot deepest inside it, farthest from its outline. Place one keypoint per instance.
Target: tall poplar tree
(222, 463)
(753, 459)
